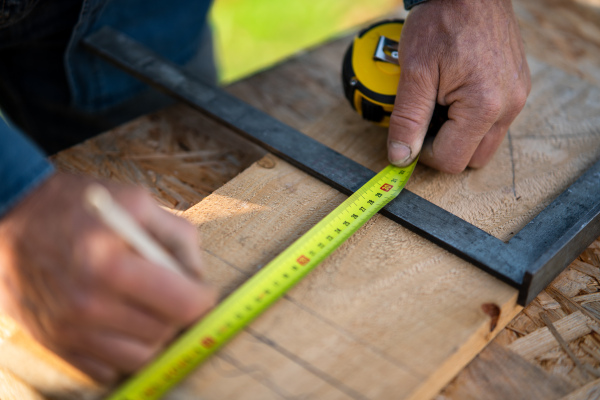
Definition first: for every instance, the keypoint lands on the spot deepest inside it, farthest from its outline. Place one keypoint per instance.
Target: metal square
(529, 261)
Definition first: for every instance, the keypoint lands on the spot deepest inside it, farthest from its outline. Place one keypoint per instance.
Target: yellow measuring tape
(264, 288)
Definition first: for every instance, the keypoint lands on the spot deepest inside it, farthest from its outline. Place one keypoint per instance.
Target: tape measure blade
(264, 288)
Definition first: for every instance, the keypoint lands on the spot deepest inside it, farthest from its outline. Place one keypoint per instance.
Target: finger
(122, 354)
(413, 108)
(178, 236)
(488, 146)
(114, 314)
(170, 296)
(97, 370)
(469, 119)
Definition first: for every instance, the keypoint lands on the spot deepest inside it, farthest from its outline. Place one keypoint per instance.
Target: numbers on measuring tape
(303, 260)
(208, 342)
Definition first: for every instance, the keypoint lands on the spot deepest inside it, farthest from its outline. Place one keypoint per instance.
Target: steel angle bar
(529, 261)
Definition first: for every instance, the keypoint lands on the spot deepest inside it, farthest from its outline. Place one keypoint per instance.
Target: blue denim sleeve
(22, 167)
(408, 4)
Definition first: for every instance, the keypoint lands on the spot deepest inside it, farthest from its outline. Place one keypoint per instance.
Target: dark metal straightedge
(513, 263)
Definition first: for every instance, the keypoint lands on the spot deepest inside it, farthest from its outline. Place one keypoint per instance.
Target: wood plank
(393, 302)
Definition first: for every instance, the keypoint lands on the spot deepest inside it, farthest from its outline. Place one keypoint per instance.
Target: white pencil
(114, 216)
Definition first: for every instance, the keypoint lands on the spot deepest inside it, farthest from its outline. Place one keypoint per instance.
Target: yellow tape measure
(371, 74)
(264, 288)
(370, 71)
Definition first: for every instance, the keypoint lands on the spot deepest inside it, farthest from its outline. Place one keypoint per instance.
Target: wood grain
(382, 310)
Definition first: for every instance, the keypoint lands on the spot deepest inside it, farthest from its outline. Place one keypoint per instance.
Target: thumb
(413, 108)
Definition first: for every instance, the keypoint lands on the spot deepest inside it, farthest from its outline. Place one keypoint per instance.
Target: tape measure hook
(386, 50)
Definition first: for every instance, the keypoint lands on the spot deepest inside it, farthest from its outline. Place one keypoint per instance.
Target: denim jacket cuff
(23, 167)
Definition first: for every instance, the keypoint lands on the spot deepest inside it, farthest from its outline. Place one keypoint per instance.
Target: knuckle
(138, 358)
(408, 119)
(114, 273)
(163, 335)
(212, 295)
(478, 163)
(490, 105)
(136, 201)
(190, 312)
(188, 231)
(520, 98)
(76, 307)
(453, 166)
(193, 310)
(416, 65)
(65, 337)
(413, 67)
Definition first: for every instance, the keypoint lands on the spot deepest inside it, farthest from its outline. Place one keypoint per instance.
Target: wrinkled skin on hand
(468, 55)
(83, 292)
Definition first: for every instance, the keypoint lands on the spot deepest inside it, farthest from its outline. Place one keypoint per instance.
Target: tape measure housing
(370, 84)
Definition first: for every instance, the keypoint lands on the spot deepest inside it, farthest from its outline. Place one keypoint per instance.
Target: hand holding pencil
(109, 297)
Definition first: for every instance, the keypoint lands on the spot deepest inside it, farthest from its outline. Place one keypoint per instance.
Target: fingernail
(398, 152)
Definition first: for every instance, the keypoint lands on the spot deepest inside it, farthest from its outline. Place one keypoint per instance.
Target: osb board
(176, 154)
(525, 361)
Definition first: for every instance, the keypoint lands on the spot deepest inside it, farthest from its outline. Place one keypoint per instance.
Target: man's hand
(466, 54)
(83, 292)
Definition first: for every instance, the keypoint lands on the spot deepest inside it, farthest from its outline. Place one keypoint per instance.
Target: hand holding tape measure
(468, 57)
(371, 73)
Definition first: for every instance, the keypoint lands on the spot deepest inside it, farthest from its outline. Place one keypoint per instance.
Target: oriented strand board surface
(498, 373)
